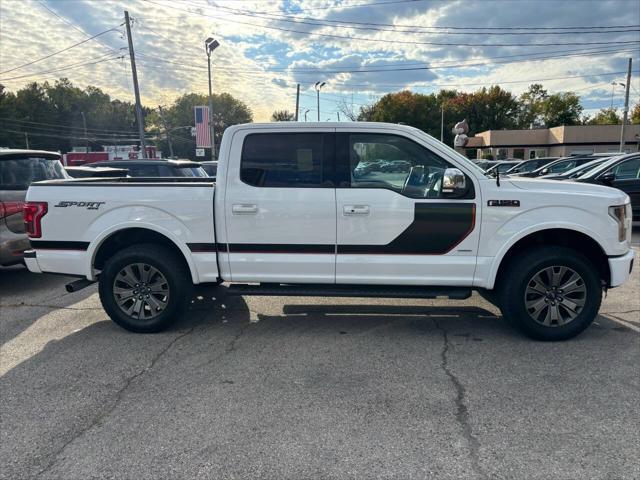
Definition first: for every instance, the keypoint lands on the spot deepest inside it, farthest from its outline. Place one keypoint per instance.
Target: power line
(394, 28)
(405, 42)
(60, 51)
(407, 67)
(62, 125)
(73, 137)
(101, 136)
(66, 67)
(72, 25)
(536, 80)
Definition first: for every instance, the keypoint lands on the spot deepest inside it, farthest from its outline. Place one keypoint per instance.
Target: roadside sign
(199, 152)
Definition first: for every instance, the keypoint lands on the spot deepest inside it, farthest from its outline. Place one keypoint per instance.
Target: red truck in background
(111, 152)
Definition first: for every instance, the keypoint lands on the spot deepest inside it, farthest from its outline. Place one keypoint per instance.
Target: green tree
(606, 116)
(282, 116)
(179, 118)
(414, 109)
(562, 109)
(635, 114)
(490, 108)
(531, 106)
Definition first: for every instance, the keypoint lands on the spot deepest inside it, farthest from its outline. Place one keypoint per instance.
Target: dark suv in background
(155, 168)
(18, 169)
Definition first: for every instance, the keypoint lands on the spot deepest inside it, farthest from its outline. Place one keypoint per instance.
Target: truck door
(280, 206)
(395, 226)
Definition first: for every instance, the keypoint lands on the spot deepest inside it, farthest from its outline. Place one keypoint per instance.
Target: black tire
(520, 279)
(490, 296)
(173, 276)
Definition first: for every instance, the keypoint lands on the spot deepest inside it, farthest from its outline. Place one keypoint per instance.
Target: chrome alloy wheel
(555, 296)
(141, 291)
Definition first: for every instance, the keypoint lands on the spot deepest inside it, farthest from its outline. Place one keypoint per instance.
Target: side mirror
(544, 171)
(607, 178)
(454, 183)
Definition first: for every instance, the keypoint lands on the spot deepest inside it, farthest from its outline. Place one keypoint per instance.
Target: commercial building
(552, 142)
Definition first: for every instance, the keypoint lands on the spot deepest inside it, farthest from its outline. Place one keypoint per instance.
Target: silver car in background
(18, 169)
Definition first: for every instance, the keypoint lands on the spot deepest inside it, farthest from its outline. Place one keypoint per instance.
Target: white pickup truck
(337, 209)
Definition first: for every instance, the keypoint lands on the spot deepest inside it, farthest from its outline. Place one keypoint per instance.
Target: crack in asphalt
(626, 311)
(462, 411)
(119, 395)
(41, 305)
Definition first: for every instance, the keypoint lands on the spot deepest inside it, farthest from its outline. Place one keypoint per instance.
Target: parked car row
(20, 168)
(616, 170)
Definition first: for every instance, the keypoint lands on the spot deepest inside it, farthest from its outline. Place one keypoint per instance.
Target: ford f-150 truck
(337, 209)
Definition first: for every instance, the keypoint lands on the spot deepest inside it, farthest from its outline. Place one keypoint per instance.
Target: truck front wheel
(550, 293)
(144, 288)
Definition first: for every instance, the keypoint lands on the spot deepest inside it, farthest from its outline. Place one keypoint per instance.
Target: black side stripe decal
(437, 228)
(280, 248)
(58, 245)
(203, 247)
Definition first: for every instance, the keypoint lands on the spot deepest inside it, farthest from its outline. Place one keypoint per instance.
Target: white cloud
(262, 65)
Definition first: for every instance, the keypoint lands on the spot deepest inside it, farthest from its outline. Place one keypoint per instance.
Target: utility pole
(26, 139)
(442, 123)
(626, 107)
(166, 130)
(136, 89)
(297, 101)
(338, 115)
(86, 138)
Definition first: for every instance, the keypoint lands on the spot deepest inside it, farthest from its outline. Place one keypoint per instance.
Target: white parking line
(622, 322)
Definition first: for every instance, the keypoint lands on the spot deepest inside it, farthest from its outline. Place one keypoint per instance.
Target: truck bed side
(82, 215)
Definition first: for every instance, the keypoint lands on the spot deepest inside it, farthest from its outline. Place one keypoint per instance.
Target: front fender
(535, 220)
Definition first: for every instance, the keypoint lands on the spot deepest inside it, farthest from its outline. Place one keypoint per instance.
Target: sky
(361, 49)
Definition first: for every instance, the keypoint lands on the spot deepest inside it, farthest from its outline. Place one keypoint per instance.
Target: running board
(336, 290)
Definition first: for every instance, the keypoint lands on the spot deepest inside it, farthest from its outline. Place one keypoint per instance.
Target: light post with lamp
(210, 44)
(318, 86)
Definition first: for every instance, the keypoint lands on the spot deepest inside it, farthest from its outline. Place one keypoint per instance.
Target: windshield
(19, 173)
(600, 168)
(524, 167)
(577, 171)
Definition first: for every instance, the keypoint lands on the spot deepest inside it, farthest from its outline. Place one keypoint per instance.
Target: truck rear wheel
(144, 288)
(550, 293)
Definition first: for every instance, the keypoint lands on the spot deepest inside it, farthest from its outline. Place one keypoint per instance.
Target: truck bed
(82, 214)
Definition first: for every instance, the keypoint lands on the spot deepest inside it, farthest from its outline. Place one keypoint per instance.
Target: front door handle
(355, 210)
(244, 209)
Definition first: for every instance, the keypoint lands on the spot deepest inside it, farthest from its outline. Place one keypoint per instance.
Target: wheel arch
(111, 242)
(564, 237)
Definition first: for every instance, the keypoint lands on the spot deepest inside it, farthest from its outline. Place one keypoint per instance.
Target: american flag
(203, 134)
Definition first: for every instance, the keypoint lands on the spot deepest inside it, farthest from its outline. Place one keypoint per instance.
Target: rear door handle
(244, 209)
(355, 210)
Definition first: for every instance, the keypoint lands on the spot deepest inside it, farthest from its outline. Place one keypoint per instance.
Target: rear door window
(285, 160)
(19, 173)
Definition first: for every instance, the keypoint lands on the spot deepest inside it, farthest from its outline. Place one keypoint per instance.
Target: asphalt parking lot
(295, 388)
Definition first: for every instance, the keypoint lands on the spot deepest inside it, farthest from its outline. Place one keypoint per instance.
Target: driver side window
(395, 163)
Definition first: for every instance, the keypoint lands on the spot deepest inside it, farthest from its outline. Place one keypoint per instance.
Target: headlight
(621, 214)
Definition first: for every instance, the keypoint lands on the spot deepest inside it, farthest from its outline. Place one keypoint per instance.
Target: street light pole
(305, 116)
(318, 86)
(626, 107)
(210, 45)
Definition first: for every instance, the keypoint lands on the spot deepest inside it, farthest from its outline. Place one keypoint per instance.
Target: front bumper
(620, 268)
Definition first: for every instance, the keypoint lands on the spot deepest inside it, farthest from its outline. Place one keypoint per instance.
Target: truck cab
(344, 209)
